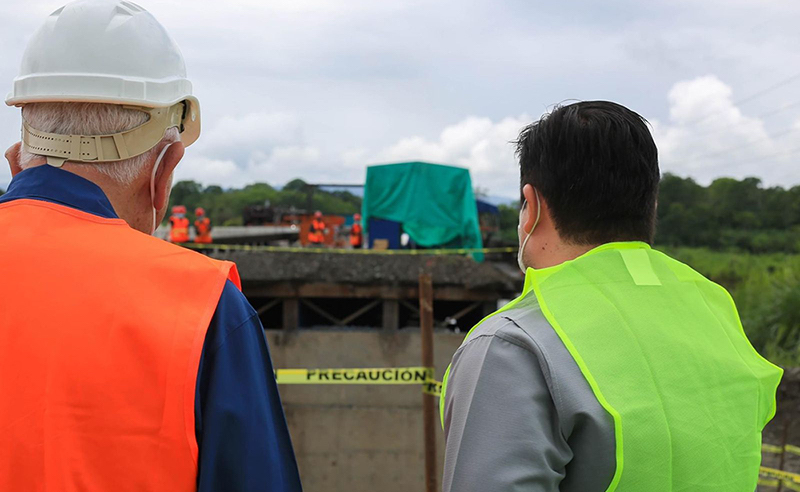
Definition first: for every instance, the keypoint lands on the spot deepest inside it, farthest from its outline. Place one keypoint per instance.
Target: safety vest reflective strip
(101, 332)
(665, 354)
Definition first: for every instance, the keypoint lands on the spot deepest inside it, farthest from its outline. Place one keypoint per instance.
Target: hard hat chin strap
(59, 148)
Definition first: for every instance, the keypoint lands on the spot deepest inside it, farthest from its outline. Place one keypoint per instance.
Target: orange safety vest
(203, 228)
(355, 235)
(316, 234)
(101, 332)
(179, 232)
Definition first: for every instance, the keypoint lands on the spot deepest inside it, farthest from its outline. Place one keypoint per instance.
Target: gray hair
(79, 118)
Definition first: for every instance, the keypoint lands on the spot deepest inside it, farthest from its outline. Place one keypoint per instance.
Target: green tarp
(434, 203)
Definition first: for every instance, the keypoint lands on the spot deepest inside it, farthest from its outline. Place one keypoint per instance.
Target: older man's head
(106, 68)
(127, 182)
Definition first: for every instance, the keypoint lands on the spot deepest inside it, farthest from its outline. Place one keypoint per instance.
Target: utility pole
(428, 401)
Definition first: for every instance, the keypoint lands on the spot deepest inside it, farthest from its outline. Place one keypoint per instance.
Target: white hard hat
(113, 52)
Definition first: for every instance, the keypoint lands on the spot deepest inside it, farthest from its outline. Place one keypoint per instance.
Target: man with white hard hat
(126, 363)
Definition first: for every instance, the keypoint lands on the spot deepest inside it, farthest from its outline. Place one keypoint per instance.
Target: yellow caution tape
(791, 485)
(771, 448)
(783, 475)
(789, 448)
(383, 375)
(287, 249)
(768, 482)
(376, 375)
(432, 387)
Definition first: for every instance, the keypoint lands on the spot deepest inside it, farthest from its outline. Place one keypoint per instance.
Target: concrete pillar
(391, 314)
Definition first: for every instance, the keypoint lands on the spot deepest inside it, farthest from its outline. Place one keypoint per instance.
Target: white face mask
(528, 235)
(153, 187)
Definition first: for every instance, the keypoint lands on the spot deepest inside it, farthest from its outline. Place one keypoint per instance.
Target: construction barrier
(771, 448)
(288, 249)
(771, 477)
(422, 376)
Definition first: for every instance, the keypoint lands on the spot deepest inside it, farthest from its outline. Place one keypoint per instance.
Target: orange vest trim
(101, 332)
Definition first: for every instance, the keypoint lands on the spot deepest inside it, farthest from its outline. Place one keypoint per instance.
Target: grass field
(766, 288)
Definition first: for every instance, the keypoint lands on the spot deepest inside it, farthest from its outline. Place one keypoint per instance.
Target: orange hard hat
(179, 209)
(318, 214)
(199, 211)
(357, 217)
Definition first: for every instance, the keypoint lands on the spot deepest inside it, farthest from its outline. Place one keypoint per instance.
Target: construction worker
(618, 368)
(356, 233)
(178, 225)
(202, 227)
(146, 369)
(316, 231)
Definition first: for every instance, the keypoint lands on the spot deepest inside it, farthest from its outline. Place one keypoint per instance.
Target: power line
(749, 98)
(766, 114)
(731, 149)
(759, 160)
(768, 90)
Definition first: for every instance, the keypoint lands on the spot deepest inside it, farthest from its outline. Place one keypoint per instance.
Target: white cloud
(479, 144)
(340, 85)
(254, 147)
(708, 136)
(705, 136)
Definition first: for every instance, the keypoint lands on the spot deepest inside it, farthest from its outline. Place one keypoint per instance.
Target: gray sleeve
(501, 427)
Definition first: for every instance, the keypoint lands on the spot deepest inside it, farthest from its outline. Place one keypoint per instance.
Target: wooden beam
(410, 306)
(346, 321)
(428, 401)
(266, 307)
(464, 311)
(344, 291)
(391, 315)
(291, 314)
(336, 321)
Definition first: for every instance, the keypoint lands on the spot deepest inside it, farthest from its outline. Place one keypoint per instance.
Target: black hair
(596, 165)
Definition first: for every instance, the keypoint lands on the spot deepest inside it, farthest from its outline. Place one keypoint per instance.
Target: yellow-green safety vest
(664, 352)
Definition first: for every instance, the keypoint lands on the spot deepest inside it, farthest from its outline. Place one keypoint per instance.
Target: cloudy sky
(319, 89)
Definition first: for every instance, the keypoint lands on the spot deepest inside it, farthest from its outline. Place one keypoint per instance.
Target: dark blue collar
(54, 185)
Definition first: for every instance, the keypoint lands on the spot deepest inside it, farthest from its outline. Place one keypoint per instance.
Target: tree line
(226, 207)
(727, 215)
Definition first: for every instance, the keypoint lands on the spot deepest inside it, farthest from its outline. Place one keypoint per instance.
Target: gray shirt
(519, 415)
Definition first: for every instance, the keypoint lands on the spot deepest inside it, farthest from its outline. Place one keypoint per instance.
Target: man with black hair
(618, 368)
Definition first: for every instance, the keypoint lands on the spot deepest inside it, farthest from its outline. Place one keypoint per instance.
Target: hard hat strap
(104, 148)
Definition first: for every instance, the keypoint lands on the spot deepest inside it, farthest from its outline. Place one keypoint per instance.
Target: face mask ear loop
(528, 235)
(153, 187)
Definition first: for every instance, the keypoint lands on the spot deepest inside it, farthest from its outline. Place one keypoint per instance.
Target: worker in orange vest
(178, 225)
(356, 233)
(147, 370)
(316, 232)
(202, 227)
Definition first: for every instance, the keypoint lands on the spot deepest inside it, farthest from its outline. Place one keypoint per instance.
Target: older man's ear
(12, 156)
(163, 179)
